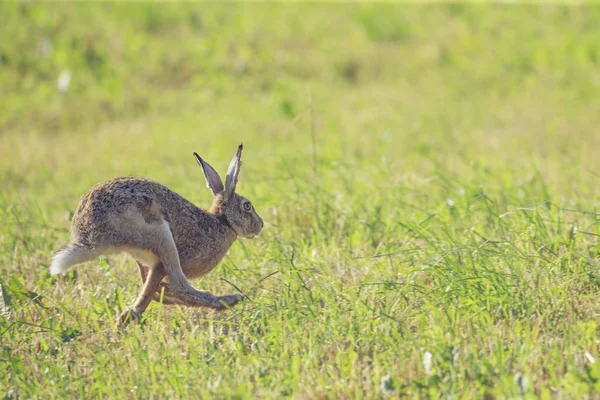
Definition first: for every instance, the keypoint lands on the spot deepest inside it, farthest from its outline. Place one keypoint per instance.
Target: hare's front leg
(151, 284)
(163, 294)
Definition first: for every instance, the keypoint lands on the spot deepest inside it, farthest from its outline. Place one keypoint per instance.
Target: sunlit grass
(427, 174)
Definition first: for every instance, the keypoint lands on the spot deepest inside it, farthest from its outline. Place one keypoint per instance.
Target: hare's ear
(213, 180)
(234, 171)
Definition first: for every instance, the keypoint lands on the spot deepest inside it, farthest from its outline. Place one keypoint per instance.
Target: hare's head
(237, 210)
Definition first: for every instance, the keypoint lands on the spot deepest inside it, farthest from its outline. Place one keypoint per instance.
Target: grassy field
(429, 177)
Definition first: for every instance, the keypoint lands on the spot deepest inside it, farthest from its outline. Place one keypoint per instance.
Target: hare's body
(107, 213)
(170, 238)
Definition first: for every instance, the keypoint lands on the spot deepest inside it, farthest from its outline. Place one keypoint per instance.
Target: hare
(171, 239)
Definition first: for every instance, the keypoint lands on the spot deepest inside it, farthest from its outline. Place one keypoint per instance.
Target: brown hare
(171, 239)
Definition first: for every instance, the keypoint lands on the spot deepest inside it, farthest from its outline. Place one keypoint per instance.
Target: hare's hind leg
(165, 296)
(199, 298)
(155, 235)
(179, 286)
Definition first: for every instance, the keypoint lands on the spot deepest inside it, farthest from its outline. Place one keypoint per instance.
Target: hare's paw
(127, 316)
(227, 301)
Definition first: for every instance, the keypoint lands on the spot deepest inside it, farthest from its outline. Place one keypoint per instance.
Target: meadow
(428, 175)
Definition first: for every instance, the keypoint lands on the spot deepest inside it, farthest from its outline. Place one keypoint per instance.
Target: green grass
(429, 176)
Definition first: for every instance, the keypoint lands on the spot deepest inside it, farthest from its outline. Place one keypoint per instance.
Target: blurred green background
(428, 175)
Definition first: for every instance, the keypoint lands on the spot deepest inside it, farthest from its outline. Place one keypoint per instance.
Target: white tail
(71, 255)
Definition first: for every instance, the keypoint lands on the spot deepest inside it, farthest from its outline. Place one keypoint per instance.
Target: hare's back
(119, 194)
(126, 197)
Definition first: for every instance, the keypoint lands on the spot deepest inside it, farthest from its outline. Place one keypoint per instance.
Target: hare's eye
(247, 206)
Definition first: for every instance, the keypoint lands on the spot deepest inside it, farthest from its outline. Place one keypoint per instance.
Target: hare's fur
(171, 239)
